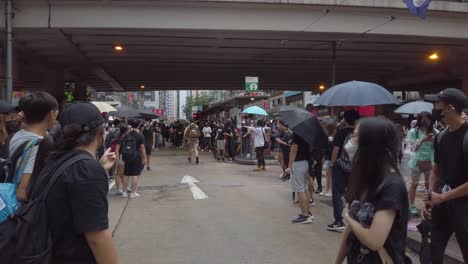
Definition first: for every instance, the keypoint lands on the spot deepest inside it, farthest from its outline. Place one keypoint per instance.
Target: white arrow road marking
(197, 193)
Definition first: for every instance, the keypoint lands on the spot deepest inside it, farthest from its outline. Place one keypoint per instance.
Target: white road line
(197, 193)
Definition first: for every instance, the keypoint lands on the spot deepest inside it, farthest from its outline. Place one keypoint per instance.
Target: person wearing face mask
(421, 139)
(446, 202)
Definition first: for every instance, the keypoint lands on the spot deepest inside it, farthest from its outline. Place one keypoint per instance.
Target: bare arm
(117, 152)
(375, 236)
(335, 155)
(143, 153)
(434, 178)
(343, 247)
(154, 139)
(102, 246)
(21, 193)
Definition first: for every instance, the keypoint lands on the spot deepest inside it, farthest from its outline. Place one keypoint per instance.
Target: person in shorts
(150, 140)
(298, 168)
(220, 142)
(133, 166)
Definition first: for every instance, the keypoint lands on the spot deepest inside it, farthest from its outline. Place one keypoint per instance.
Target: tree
(199, 100)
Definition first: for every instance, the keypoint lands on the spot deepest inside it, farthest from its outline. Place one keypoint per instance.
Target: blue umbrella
(356, 93)
(415, 108)
(255, 110)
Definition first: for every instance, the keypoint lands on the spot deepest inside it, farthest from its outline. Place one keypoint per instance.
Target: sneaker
(322, 193)
(258, 168)
(312, 202)
(328, 194)
(302, 219)
(414, 211)
(124, 195)
(282, 175)
(224, 160)
(311, 216)
(336, 226)
(148, 168)
(318, 191)
(197, 161)
(134, 195)
(190, 160)
(129, 189)
(116, 192)
(264, 168)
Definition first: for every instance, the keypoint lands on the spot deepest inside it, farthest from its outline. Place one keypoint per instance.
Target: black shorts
(133, 168)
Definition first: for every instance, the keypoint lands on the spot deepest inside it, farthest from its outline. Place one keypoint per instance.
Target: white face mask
(351, 148)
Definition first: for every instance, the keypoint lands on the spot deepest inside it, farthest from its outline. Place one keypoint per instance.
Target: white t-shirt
(257, 134)
(207, 131)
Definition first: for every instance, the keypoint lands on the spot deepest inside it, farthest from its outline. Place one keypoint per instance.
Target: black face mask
(437, 114)
(12, 126)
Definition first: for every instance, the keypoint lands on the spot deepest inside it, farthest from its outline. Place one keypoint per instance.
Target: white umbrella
(104, 107)
(415, 108)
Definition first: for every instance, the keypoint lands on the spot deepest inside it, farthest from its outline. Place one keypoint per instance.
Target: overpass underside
(186, 45)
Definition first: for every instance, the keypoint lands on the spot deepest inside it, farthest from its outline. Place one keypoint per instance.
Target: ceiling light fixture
(322, 87)
(142, 86)
(434, 56)
(118, 48)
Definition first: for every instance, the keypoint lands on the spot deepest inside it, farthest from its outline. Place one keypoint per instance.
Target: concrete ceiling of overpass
(166, 59)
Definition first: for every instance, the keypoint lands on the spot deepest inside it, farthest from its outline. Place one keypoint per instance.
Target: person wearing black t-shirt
(298, 168)
(376, 189)
(150, 140)
(76, 205)
(132, 167)
(339, 176)
(447, 203)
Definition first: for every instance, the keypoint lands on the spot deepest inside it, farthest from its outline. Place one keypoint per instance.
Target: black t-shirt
(148, 134)
(302, 148)
(287, 137)
(392, 195)
(220, 133)
(76, 204)
(139, 139)
(340, 137)
(453, 169)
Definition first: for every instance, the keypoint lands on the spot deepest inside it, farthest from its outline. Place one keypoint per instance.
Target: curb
(243, 161)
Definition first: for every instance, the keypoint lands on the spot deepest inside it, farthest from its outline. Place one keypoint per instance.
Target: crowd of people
(62, 161)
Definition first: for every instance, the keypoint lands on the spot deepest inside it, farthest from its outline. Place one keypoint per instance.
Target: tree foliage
(200, 100)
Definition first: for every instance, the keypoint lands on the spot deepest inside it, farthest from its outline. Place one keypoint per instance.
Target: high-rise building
(170, 104)
(151, 100)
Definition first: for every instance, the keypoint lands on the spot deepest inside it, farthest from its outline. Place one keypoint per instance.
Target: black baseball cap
(6, 107)
(451, 96)
(82, 113)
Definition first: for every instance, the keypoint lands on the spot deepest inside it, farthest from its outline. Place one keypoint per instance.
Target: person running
(298, 168)
(39, 112)
(76, 205)
(377, 219)
(421, 140)
(447, 203)
(340, 174)
(207, 137)
(220, 141)
(191, 135)
(150, 140)
(132, 148)
(259, 140)
(331, 130)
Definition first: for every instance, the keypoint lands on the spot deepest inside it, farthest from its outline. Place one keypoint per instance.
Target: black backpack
(25, 237)
(130, 151)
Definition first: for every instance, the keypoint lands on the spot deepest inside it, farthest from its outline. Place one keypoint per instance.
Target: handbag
(425, 165)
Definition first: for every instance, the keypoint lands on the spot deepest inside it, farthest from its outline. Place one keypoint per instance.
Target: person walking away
(339, 173)
(119, 166)
(76, 205)
(39, 112)
(150, 140)
(207, 136)
(220, 141)
(330, 126)
(448, 182)
(421, 140)
(191, 135)
(285, 148)
(298, 168)
(132, 148)
(259, 144)
(377, 219)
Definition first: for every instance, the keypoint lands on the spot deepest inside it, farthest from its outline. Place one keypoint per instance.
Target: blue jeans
(339, 182)
(246, 146)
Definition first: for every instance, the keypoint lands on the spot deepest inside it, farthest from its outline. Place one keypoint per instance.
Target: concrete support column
(56, 85)
(465, 85)
(81, 91)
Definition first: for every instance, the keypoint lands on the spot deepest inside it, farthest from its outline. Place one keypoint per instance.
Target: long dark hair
(376, 156)
(123, 131)
(419, 124)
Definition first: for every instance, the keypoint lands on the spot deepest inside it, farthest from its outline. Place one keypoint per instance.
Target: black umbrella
(125, 111)
(147, 114)
(307, 126)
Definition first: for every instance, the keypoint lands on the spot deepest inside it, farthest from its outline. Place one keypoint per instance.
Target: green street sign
(251, 84)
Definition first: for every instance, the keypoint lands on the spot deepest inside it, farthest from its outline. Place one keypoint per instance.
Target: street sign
(251, 84)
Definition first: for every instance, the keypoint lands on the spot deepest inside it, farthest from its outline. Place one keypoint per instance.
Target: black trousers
(260, 156)
(448, 218)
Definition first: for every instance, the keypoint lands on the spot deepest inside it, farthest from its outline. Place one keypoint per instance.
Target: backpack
(129, 148)
(465, 143)
(343, 160)
(9, 179)
(193, 132)
(25, 236)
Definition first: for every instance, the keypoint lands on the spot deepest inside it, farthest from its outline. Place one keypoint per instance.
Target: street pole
(9, 55)
(333, 79)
